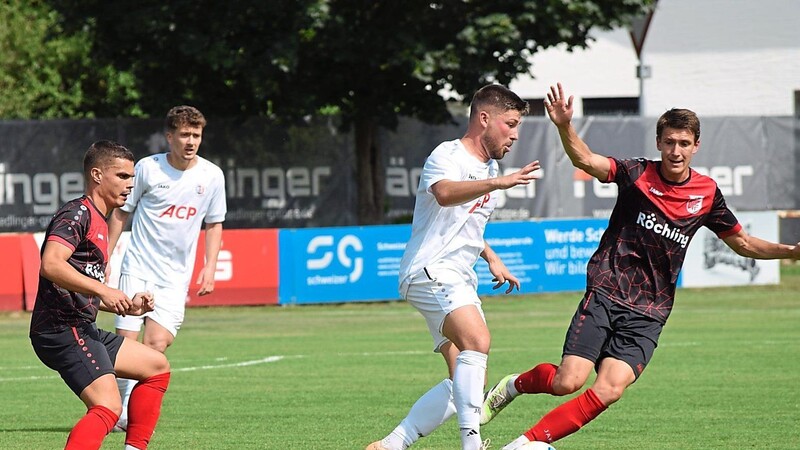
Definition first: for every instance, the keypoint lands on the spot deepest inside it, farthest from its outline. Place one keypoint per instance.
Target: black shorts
(603, 328)
(80, 354)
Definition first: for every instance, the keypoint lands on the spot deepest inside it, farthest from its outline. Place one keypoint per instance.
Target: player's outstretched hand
(142, 302)
(521, 177)
(503, 276)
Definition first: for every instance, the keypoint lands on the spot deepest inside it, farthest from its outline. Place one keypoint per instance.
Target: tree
(46, 74)
(371, 61)
(378, 60)
(227, 58)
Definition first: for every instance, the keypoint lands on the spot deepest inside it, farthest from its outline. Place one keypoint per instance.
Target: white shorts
(170, 305)
(435, 293)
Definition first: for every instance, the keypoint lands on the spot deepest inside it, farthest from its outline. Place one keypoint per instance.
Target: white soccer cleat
(496, 399)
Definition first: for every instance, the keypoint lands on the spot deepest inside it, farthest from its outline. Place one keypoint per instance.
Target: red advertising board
(247, 269)
(11, 286)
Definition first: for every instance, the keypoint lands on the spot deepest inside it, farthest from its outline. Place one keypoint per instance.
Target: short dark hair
(499, 97)
(680, 119)
(101, 153)
(183, 115)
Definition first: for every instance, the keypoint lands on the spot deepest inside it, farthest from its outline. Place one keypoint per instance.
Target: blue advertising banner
(326, 265)
(546, 256)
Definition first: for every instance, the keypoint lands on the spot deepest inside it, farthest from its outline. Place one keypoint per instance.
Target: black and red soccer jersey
(81, 227)
(641, 252)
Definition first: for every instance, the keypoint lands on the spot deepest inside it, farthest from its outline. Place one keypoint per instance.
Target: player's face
(117, 182)
(185, 142)
(677, 147)
(501, 132)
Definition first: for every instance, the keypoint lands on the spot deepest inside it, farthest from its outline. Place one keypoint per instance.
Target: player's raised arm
(451, 193)
(560, 110)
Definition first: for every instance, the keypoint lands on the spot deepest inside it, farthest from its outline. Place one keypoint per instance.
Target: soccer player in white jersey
(455, 198)
(173, 194)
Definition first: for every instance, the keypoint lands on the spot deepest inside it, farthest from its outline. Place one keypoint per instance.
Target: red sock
(144, 407)
(538, 380)
(89, 432)
(567, 418)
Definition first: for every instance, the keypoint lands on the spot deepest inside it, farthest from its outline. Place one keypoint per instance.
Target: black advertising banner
(304, 175)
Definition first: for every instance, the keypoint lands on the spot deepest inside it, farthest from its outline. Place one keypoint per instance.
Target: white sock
(125, 387)
(516, 443)
(130, 447)
(468, 381)
(428, 412)
(511, 388)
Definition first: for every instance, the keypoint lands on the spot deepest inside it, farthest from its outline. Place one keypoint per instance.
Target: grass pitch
(725, 376)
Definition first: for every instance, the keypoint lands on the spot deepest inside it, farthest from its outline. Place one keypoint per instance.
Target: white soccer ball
(536, 445)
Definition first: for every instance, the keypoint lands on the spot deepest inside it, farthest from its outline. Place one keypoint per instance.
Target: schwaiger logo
(471, 177)
(162, 186)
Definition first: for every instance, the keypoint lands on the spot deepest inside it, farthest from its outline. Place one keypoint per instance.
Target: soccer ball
(536, 445)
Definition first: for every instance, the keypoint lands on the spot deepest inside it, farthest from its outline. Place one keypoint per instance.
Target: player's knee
(114, 404)
(158, 344)
(477, 343)
(158, 364)
(482, 344)
(565, 384)
(117, 409)
(608, 393)
(163, 365)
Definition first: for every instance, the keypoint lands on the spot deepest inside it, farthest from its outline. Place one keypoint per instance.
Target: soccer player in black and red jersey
(631, 278)
(72, 290)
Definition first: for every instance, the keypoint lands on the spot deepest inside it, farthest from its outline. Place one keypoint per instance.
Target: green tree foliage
(226, 58)
(47, 74)
(378, 60)
(370, 61)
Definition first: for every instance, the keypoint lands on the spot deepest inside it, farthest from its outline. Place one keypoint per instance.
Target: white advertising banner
(709, 262)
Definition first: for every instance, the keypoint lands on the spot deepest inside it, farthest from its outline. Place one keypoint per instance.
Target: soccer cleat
(376, 446)
(496, 399)
(120, 427)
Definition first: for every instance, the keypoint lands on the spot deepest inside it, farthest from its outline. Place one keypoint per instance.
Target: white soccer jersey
(169, 207)
(451, 236)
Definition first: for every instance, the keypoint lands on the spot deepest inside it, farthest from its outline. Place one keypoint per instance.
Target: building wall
(716, 57)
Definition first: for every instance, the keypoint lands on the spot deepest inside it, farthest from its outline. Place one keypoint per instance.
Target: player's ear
(97, 174)
(484, 117)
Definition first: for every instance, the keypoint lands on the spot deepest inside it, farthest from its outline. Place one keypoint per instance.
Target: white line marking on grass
(268, 359)
(28, 378)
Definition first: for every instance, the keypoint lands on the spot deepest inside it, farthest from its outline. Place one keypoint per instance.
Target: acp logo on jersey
(321, 251)
(179, 212)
